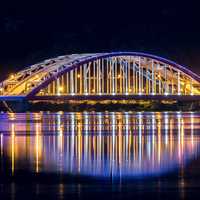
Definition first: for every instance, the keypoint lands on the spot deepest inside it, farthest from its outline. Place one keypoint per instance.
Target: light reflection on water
(109, 144)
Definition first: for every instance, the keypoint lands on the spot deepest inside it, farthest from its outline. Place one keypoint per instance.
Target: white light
(178, 114)
(166, 93)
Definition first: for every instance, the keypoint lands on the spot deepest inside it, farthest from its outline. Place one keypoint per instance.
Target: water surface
(99, 155)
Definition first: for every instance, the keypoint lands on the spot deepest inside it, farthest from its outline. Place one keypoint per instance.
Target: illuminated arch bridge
(120, 75)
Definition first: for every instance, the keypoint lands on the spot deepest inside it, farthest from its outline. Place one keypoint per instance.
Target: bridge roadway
(101, 97)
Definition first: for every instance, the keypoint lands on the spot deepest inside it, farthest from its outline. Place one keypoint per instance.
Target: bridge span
(102, 76)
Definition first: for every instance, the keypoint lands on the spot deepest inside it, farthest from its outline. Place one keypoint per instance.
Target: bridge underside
(116, 97)
(103, 102)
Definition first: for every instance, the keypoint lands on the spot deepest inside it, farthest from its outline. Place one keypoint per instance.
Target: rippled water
(99, 155)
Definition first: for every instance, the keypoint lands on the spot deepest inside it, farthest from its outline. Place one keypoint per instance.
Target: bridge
(102, 76)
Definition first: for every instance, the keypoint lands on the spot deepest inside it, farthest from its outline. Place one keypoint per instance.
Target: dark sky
(31, 31)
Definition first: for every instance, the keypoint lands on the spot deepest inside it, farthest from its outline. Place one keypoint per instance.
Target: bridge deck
(12, 98)
(118, 97)
(103, 97)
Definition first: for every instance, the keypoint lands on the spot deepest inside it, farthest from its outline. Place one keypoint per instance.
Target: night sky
(32, 31)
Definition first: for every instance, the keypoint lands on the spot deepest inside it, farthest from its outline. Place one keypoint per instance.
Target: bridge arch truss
(107, 74)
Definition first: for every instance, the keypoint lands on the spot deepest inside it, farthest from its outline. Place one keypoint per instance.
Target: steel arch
(81, 59)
